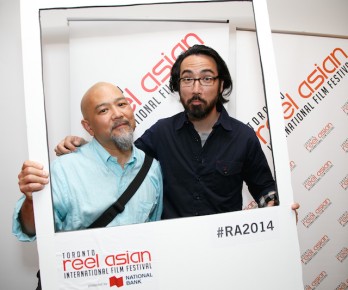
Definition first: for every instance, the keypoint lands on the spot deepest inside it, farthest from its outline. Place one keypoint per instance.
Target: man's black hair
(223, 72)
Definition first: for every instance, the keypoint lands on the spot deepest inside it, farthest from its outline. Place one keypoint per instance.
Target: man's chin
(196, 115)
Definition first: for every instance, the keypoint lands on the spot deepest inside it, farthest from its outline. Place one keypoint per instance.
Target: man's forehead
(199, 63)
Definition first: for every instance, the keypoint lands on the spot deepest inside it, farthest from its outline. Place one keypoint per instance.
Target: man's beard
(124, 139)
(198, 112)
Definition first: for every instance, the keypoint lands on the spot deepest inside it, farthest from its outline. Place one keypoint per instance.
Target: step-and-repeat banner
(313, 76)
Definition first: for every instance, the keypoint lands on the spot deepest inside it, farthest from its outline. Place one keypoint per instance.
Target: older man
(88, 181)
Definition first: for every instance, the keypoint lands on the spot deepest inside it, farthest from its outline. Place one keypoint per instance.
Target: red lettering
(149, 80)
(319, 77)
(323, 206)
(78, 264)
(289, 106)
(309, 219)
(196, 39)
(344, 183)
(316, 78)
(158, 70)
(320, 278)
(307, 94)
(331, 61)
(311, 143)
(333, 54)
(258, 132)
(324, 168)
(174, 53)
(161, 70)
(325, 130)
(132, 98)
(309, 183)
(321, 243)
(307, 256)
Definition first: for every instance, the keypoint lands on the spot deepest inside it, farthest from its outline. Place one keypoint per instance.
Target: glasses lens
(205, 81)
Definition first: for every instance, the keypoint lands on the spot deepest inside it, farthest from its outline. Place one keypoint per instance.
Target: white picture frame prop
(252, 249)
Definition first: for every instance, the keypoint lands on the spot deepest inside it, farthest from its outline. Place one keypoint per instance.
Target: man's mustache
(196, 98)
(119, 123)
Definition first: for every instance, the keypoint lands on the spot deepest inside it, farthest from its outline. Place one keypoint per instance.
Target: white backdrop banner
(137, 56)
(313, 76)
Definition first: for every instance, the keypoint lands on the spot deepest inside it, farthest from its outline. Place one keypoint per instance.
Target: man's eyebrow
(202, 71)
(106, 104)
(100, 105)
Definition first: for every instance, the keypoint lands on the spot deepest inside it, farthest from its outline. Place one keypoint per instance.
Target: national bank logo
(114, 281)
(131, 279)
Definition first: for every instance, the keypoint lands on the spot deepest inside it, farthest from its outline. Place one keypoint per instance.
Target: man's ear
(85, 124)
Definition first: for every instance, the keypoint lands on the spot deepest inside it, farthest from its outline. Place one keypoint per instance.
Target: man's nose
(196, 87)
(116, 113)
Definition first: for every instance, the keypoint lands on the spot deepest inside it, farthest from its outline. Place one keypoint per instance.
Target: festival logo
(344, 145)
(311, 217)
(345, 108)
(343, 219)
(342, 255)
(314, 141)
(309, 254)
(317, 281)
(120, 269)
(344, 182)
(313, 179)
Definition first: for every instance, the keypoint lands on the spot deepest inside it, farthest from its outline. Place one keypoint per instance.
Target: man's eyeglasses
(204, 81)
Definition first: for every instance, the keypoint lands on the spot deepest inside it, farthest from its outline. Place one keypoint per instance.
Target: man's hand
(32, 178)
(69, 144)
(295, 206)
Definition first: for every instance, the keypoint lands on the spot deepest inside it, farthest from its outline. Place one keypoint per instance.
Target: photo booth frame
(187, 253)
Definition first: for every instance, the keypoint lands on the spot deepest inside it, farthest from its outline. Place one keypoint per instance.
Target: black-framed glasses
(204, 81)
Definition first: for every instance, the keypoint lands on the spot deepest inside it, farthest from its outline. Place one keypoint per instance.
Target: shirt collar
(223, 120)
(105, 155)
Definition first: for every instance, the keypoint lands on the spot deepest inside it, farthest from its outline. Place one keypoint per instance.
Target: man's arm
(31, 178)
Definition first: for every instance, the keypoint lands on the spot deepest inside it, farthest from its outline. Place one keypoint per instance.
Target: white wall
(311, 16)
(15, 256)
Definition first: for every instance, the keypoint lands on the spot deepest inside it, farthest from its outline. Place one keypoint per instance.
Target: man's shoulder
(82, 153)
(171, 119)
(239, 125)
(164, 124)
(140, 154)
